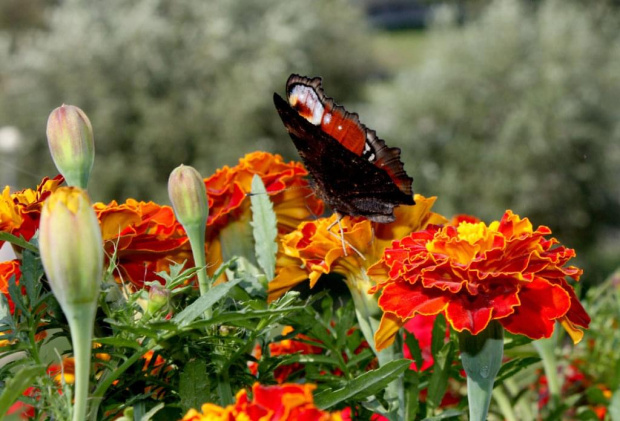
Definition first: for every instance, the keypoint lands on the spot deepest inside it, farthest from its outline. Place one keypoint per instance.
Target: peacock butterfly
(354, 171)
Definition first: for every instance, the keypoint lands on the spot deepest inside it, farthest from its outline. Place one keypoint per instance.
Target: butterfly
(354, 172)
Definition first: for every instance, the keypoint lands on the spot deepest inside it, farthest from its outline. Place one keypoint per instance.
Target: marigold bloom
(65, 371)
(286, 402)
(293, 199)
(20, 211)
(7, 270)
(146, 237)
(476, 273)
(312, 251)
(287, 347)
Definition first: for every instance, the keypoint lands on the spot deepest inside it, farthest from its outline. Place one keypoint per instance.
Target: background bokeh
(496, 105)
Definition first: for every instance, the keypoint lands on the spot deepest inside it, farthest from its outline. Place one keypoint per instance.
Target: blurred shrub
(518, 109)
(166, 82)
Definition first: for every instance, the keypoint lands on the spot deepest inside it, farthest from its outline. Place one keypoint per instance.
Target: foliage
(167, 82)
(517, 109)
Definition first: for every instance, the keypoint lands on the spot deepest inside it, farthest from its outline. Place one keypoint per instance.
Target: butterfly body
(353, 170)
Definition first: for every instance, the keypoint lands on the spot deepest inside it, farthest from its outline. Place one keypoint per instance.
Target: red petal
(406, 300)
(541, 304)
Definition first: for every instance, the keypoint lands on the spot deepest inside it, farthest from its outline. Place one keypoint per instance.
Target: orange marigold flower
(292, 197)
(146, 237)
(20, 211)
(312, 251)
(286, 402)
(476, 273)
(63, 371)
(7, 270)
(287, 347)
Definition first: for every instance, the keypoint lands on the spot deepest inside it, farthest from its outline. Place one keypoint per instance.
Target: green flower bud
(158, 298)
(71, 246)
(188, 195)
(70, 139)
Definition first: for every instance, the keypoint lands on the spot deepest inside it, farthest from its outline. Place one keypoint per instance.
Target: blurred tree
(166, 82)
(519, 109)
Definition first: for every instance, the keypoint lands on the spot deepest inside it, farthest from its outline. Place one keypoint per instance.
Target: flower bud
(71, 247)
(70, 139)
(188, 195)
(158, 298)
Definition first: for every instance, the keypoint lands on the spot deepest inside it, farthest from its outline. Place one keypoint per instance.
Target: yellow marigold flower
(311, 251)
(20, 211)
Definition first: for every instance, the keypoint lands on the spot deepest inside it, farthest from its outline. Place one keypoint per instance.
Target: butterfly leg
(341, 236)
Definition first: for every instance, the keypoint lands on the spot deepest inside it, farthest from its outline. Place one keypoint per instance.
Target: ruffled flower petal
(475, 273)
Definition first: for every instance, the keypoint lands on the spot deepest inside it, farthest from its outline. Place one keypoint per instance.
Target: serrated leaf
(439, 334)
(414, 348)
(265, 230)
(198, 307)
(118, 342)
(438, 382)
(20, 242)
(512, 367)
(194, 385)
(363, 386)
(15, 386)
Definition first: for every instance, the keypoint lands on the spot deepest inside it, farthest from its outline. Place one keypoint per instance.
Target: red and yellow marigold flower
(229, 206)
(8, 270)
(286, 402)
(474, 273)
(287, 347)
(311, 251)
(146, 237)
(20, 211)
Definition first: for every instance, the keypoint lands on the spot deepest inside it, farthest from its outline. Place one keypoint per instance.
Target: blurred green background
(496, 105)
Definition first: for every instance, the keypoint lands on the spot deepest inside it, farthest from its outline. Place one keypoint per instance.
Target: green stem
(109, 380)
(196, 236)
(81, 318)
(369, 316)
(504, 404)
(481, 356)
(546, 349)
(224, 389)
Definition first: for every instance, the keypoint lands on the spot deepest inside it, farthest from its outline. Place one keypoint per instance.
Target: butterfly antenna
(341, 236)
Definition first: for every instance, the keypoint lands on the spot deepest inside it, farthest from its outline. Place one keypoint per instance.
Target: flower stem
(81, 318)
(482, 358)
(196, 236)
(546, 349)
(369, 316)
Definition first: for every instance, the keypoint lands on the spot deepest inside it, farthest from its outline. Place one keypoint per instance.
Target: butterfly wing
(347, 182)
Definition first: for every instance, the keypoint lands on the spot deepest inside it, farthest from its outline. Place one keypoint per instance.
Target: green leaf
(20, 242)
(194, 385)
(265, 228)
(15, 386)
(450, 413)
(414, 348)
(412, 392)
(118, 342)
(439, 334)
(512, 367)
(198, 307)
(439, 379)
(363, 386)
